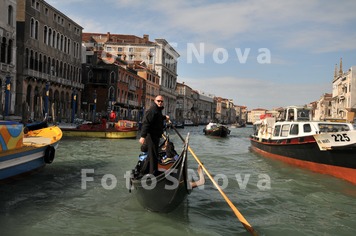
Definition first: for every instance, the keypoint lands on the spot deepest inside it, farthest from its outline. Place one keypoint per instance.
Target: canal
(84, 192)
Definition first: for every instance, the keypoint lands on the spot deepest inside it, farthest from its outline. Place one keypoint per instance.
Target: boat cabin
(294, 122)
(294, 113)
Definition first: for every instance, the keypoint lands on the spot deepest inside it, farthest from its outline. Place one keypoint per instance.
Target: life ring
(49, 154)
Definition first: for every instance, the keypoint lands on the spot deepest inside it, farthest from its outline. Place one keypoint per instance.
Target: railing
(7, 68)
(53, 79)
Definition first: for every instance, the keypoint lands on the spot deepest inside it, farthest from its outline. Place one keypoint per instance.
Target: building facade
(322, 111)
(158, 56)
(7, 57)
(206, 107)
(112, 87)
(344, 94)
(48, 78)
(184, 102)
(166, 61)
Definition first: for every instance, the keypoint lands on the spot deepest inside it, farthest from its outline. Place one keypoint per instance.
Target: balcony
(52, 79)
(7, 68)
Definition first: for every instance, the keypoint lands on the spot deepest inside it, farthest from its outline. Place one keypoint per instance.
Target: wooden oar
(241, 218)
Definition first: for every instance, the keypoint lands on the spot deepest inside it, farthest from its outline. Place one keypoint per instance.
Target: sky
(259, 53)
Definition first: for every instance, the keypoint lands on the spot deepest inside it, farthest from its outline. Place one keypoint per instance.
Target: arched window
(50, 41)
(45, 36)
(65, 44)
(3, 50)
(68, 47)
(26, 58)
(36, 29)
(36, 62)
(61, 43)
(31, 60)
(61, 69)
(112, 77)
(57, 41)
(32, 28)
(40, 62)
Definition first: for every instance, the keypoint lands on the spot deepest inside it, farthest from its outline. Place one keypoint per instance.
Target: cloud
(293, 24)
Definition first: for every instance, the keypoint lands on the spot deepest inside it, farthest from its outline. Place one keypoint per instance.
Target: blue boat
(24, 153)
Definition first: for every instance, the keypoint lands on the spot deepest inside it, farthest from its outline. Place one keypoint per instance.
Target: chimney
(108, 36)
(145, 38)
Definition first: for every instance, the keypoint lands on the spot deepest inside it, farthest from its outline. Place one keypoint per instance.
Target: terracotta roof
(115, 38)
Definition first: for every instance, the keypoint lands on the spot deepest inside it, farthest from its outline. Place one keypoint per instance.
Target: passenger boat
(23, 153)
(123, 129)
(215, 129)
(321, 146)
(167, 190)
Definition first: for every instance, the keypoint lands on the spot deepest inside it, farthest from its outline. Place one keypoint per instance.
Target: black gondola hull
(165, 192)
(221, 131)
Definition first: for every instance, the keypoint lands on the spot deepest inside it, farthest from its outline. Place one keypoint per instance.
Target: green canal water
(84, 192)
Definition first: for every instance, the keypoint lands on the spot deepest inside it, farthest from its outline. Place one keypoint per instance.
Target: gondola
(215, 129)
(167, 190)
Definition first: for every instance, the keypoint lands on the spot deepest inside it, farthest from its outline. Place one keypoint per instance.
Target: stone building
(7, 57)
(322, 111)
(166, 61)
(344, 94)
(152, 83)
(112, 86)
(159, 56)
(222, 109)
(185, 102)
(206, 107)
(48, 78)
(255, 114)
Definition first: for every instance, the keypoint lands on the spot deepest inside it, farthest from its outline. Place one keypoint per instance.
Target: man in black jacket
(152, 130)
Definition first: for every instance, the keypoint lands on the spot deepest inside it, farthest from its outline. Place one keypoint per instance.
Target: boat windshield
(326, 128)
(303, 114)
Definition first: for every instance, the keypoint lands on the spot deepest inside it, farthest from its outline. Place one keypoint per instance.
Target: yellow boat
(123, 129)
(22, 153)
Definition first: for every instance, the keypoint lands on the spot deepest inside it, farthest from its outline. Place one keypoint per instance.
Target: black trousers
(152, 144)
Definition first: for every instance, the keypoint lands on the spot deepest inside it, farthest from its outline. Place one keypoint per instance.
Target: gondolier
(152, 130)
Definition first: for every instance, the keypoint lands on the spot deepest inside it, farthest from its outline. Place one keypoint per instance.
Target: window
(294, 129)
(10, 16)
(306, 128)
(36, 29)
(277, 130)
(45, 35)
(333, 127)
(285, 130)
(32, 27)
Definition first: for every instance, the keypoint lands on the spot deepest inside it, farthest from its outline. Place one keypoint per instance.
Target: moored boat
(215, 129)
(23, 153)
(123, 129)
(321, 146)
